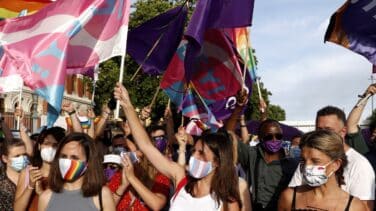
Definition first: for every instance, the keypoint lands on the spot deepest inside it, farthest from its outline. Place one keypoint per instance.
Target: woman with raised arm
(211, 183)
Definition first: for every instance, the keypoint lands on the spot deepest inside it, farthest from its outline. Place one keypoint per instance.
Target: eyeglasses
(277, 136)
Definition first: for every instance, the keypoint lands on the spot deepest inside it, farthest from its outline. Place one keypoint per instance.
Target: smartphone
(132, 156)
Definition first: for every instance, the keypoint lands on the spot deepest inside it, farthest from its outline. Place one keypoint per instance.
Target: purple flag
(354, 27)
(214, 14)
(161, 36)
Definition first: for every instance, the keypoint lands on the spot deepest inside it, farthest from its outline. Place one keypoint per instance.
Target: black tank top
(309, 209)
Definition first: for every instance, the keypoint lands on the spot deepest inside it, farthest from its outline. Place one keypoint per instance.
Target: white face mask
(48, 154)
(19, 163)
(198, 168)
(315, 175)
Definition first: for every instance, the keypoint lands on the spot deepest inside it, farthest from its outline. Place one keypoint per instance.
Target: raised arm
(155, 201)
(102, 122)
(169, 121)
(23, 133)
(244, 130)
(91, 116)
(182, 138)
(69, 109)
(241, 101)
(356, 112)
(163, 165)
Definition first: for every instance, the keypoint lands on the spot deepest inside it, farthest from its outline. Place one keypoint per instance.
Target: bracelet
(243, 125)
(72, 112)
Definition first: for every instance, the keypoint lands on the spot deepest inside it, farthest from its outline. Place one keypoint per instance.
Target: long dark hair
(57, 132)
(225, 183)
(93, 177)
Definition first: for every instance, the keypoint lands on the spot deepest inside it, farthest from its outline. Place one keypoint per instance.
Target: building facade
(77, 90)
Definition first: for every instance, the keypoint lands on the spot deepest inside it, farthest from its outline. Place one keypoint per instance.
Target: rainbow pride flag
(11, 8)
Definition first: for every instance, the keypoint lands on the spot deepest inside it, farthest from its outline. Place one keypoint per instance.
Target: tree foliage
(143, 87)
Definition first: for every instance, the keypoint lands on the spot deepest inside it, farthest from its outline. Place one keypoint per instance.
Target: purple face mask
(272, 146)
(160, 142)
(109, 173)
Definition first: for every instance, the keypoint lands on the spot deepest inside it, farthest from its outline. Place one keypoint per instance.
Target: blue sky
(302, 72)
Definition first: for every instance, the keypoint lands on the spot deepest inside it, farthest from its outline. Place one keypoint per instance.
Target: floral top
(130, 202)
(7, 191)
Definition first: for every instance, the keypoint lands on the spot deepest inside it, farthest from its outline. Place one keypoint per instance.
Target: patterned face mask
(315, 175)
(198, 168)
(71, 170)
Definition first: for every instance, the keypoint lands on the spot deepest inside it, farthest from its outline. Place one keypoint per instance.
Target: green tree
(273, 111)
(143, 87)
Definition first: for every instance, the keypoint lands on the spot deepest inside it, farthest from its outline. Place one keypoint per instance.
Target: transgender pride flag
(64, 34)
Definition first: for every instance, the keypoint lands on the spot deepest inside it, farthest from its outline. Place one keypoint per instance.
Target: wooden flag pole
(154, 97)
(148, 55)
(182, 120)
(168, 103)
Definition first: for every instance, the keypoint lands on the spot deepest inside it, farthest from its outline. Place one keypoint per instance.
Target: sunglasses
(159, 138)
(277, 136)
(112, 166)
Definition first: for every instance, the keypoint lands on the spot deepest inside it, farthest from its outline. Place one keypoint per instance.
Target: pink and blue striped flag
(64, 34)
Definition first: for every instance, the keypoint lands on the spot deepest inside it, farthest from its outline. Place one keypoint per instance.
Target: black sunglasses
(277, 136)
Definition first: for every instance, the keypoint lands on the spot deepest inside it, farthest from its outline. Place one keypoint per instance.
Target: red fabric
(161, 185)
(180, 185)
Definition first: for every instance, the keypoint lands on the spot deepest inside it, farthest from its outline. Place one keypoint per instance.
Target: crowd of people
(138, 165)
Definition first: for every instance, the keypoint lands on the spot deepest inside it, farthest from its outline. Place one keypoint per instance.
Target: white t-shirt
(185, 202)
(358, 174)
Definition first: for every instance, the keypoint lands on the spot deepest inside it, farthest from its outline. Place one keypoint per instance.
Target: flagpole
(154, 97)
(148, 55)
(20, 106)
(94, 83)
(245, 69)
(153, 47)
(168, 103)
(117, 110)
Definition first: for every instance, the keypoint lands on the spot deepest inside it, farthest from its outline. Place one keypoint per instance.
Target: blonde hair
(329, 143)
